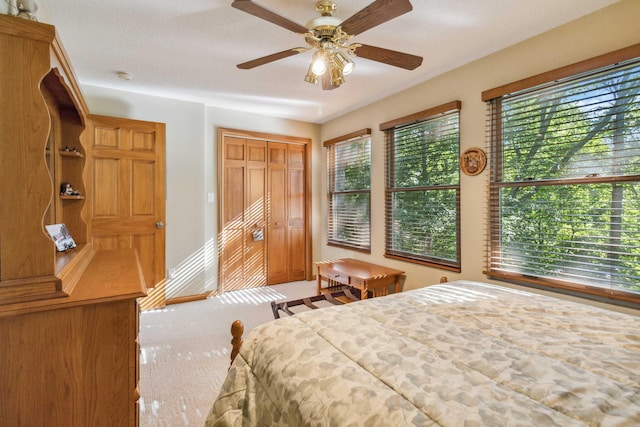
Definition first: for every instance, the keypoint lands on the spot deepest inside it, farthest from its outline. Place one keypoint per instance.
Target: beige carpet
(184, 350)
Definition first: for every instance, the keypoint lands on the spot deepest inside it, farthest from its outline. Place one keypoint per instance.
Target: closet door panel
(296, 212)
(255, 214)
(277, 267)
(243, 213)
(232, 239)
(296, 253)
(278, 254)
(234, 197)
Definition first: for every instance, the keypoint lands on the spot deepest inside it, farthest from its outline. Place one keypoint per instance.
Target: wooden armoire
(68, 320)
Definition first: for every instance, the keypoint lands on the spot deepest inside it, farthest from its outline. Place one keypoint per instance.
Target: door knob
(159, 224)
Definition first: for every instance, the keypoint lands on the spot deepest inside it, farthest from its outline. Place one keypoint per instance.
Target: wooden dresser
(73, 361)
(68, 320)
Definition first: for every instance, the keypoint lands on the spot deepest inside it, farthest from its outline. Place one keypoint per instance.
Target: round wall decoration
(473, 161)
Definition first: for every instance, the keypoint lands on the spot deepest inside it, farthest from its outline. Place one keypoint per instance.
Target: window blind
(564, 200)
(349, 193)
(423, 188)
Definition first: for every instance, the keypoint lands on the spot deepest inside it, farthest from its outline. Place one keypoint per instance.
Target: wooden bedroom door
(128, 194)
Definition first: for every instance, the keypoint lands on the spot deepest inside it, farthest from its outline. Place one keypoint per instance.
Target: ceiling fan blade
(269, 58)
(378, 12)
(326, 82)
(391, 57)
(262, 13)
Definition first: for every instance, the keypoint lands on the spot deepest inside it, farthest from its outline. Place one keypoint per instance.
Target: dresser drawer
(339, 278)
(334, 276)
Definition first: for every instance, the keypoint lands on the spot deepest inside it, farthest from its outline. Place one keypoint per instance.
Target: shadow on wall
(109, 107)
(195, 275)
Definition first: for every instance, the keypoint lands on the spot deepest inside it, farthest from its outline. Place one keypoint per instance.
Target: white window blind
(564, 200)
(423, 187)
(349, 192)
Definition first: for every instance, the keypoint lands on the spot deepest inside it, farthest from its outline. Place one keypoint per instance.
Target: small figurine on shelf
(27, 9)
(73, 150)
(66, 189)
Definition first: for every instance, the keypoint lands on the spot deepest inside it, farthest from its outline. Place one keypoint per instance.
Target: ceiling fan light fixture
(337, 78)
(311, 77)
(323, 22)
(318, 63)
(330, 39)
(345, 64)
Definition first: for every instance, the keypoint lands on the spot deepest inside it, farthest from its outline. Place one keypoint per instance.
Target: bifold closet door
(286, 213)
(262, 216)
(243, 213)
(277, 229)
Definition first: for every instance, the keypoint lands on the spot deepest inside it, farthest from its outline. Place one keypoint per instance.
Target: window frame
(331, 192)
(389, 128)
(493, 98)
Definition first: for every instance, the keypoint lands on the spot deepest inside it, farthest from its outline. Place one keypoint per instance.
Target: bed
(456, 354)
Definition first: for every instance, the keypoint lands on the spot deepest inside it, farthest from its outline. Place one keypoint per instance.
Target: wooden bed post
(237, 329)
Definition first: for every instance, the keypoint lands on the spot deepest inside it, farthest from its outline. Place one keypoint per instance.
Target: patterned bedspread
(457, 354)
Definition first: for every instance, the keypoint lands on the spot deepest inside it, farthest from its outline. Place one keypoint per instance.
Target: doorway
(264, 207)
(127, 163)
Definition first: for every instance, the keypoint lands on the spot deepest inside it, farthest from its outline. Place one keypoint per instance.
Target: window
(423, 187)
(349, 190)
(565, 182)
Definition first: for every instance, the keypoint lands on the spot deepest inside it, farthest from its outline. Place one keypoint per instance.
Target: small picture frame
(61, 237)
(473, 161)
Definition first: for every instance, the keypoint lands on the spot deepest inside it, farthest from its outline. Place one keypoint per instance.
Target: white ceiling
(188, 50)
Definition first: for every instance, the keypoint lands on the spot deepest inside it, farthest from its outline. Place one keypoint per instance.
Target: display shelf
(71, 154)
(38, 84)
(67, 125)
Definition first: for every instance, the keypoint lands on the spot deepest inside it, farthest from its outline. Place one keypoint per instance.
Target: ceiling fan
(330, 37)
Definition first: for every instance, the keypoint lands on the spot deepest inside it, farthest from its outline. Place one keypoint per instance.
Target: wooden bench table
(358, 274)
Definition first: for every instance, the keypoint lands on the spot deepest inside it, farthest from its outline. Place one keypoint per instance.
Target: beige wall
(609, 29)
